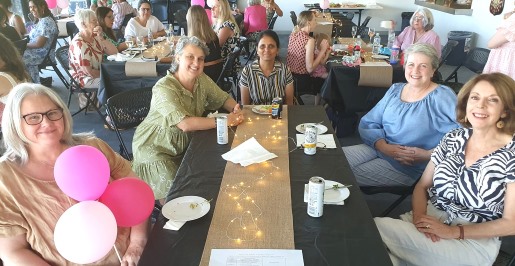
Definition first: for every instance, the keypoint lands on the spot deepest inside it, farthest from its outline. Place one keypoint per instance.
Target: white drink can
(222, 134)
(310, 140)
(316, 188)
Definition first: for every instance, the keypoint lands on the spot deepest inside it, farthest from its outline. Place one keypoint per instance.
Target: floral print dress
(47, 28)
(230, 43)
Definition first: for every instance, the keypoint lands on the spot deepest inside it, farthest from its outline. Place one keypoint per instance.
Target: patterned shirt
(120, 10)
(296, 58)
(264, 89)
(475, 193)
(46, 27)
(231, 42)
(83, 54)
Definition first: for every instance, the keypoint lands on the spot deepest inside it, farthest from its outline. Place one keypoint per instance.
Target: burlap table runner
(253, 209)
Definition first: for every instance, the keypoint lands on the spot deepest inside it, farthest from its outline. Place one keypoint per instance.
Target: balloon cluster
(87, 231)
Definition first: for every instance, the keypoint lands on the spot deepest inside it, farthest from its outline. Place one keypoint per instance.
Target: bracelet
(462, 232)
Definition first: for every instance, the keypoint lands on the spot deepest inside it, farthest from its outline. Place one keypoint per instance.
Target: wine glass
(371, 33)
(130, 42)
(140, 41)
(354, 31)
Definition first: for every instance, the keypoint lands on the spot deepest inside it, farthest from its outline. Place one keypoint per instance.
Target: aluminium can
(316, 188)
(277, 106)
(222, 133)
(310, 139)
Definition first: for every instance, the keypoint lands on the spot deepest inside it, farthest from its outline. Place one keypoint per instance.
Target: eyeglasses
(36, 118)
(418, 18)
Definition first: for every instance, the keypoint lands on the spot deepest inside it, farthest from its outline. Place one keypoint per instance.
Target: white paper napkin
(327, 139)
(173, 225)
(247, 153)
(306, 190)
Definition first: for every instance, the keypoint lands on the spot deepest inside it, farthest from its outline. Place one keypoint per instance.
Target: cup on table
(130, 42)
(140, 41)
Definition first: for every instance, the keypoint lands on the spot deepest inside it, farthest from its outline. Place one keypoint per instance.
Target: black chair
(180, 18)
(446, 51)
(160, 9)
(402, 191)
(73, 86)
(305, 84)
(223, 80)
(50, 62)
(271, 25)
(21, 45)
(173, 7)
(475, 62)
(365, 22)
(363, 29)
(127, 110)
(119, 33)
(293, 17)
(71, 29)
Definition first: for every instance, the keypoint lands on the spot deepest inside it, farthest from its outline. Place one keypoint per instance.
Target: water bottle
(376, 45)
(391, 38)
(150, 38)
(182, 32)
(357, 47)
(394, 55)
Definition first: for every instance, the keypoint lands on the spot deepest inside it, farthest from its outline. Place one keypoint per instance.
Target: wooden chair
(127, 110)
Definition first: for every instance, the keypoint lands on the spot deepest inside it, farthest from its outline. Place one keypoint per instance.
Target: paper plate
(378, 56)
(262, 109)
(186, 208)
(302, 128)
(335, 195)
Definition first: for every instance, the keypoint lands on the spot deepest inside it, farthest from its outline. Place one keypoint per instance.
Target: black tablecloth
(344, 235)
(342, 93)
(113, 79)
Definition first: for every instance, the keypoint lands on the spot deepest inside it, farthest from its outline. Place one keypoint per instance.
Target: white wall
(481, 22)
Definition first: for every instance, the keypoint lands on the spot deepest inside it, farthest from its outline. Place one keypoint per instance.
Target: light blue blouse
(416, 124)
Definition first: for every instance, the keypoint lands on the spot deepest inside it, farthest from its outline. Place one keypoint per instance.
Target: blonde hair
(303, 19)
(319, 37)
(198, 24)
(224, 14)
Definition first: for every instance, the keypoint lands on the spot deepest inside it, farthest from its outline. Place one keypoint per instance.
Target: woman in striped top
(464, 201)
(266, 78)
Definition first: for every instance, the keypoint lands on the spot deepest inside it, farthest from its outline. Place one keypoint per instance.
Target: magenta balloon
(324, 4)
(85, 232)
(82, 172)
(130, 199)
(51, 3)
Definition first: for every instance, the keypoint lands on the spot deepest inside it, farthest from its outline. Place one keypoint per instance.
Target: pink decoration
(51, 3)
(82, 172)
(130, 199)
(63, 3)
(85, 232)
(324, 4)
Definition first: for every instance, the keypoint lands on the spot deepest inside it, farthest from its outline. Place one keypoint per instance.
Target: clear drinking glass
(140, 41)
(354, 31)
(371, 33)
(130, 42)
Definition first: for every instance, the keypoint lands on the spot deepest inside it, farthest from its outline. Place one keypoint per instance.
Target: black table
(344, 235)
(342, 92)
(113, 79)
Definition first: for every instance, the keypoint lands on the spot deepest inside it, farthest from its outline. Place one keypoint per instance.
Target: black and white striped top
(264, 89)
(476, 193)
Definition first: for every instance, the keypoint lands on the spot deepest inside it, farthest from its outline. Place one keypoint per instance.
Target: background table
(344, 235)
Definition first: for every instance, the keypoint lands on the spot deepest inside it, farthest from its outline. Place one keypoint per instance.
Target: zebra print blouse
(475, 193)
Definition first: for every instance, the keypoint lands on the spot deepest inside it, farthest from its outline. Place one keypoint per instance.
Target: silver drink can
(222, 134)
(310, 140)
(316, 188)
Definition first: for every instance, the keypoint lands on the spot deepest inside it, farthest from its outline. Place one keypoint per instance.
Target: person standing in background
(97, 3)
(271, 9)
(502, 46)
(120, 9)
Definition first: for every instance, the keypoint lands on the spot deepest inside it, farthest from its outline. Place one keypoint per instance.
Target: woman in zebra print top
(465, 199)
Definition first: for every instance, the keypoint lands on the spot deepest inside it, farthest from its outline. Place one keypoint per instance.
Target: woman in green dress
(178, 102)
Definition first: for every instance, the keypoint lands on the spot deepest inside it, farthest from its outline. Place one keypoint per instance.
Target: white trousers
(407, 246)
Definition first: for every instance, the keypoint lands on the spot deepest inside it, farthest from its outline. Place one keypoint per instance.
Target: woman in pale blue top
(402, 129)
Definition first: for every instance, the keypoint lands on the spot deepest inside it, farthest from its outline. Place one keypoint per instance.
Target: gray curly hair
(181, 44)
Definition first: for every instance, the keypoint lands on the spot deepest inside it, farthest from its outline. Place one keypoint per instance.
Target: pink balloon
(211, 3)
(82, 172)
(324, 4)
(63, 3)
(130, 199)
(51, 3)
(85, 232)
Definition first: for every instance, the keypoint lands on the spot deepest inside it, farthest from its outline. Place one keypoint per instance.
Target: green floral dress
(158, 143)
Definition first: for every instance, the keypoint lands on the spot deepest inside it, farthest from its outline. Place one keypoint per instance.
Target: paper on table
(282, 257)
(140, 69)
(247, 153)
(375, 74)
(327, 139)
(174, 225)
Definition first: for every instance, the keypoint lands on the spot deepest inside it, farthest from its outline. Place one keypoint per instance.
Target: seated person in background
(7, 30)
(37, 129)
(463, 203)
(139, 26)
(12, 70)
(419, 31)
(178, 102)
(98, 3)
(271, 9)
(13, 20)
(321, 70)
(120, 9)
(87, 50)
(41, 37)
(503, 49)
(402, 129)
(198, 26)
(203, 4)
(226, 28)
(254, 19)
(267, 77)
(105, 20)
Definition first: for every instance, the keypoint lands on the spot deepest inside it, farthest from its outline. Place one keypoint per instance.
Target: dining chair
(173, 7)
(71, 29)
(48, 61)
(160, 9)
(305, 84)
(271, 25)
(127, 110)
(21, 45)
(446, 51)
(73, 86)
(293, 17)
(224, 80)
(475, 62)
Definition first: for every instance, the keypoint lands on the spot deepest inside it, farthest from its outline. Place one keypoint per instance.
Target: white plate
(335, 195)
(149, 59)
(378, 56)
(180, 209)
(262, 109)
(120, 58)
(302, 128)
(160, 39)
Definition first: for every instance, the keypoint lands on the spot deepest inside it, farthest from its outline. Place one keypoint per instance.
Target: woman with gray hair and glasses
(37, 129)
(420, 31)
(178, 102)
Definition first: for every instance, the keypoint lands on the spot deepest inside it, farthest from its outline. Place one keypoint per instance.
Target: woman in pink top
(503, 49)
(203, 3)
(254, 19)
(420, 31)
